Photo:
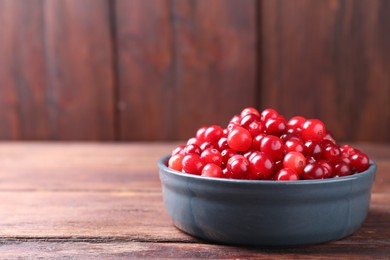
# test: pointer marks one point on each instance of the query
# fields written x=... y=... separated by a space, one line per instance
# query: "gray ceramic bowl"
x=247 y=212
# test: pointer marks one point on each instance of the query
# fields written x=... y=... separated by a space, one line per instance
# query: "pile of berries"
x=265 y=146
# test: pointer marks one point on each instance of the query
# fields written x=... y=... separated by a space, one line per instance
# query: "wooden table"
x=93 y=200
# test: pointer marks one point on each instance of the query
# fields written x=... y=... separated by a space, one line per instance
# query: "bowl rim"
x=162 y=166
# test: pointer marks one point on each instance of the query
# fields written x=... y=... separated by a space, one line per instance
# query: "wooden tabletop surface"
x=103 y=200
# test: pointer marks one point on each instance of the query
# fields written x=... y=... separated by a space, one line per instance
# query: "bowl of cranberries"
x=265 y=180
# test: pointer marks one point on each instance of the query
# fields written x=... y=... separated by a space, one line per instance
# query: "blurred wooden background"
x=138 y=70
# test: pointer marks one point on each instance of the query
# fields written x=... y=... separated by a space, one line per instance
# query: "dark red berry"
x=313 y=129
x=192 y=164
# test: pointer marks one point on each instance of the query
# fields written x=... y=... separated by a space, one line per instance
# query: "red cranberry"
x=192 y=164
x=212 y=170
x=239 y=139
x=211 y=155
x=313 y=129
x=261 y=165
x=273 y=146
x=286 y=175
x=238 y=166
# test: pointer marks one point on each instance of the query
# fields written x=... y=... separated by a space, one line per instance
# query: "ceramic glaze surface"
x=247 y=212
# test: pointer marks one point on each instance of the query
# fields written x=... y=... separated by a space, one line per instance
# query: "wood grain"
x=23 y=71
x=80 y=71
x=184 y=64
x=328 y=59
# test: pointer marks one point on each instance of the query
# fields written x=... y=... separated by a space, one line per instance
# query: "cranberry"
x=206 y=145
x=192 y=164
x=248 y=119
x=286 y=175
x=296 y=122
x=175 y=162
x=295 y=161
x=275 y=126
x=313 y=149
x=200 y=133
x=327 y=168
x=235 y=120
x=213 y=133
x=211 y=155
x=261 y=165
x=192 y=148
x=193 y=140
x=212 y=170
x=250 y=110
x=313 y=129
x=256 y=142
x=239 y=139
x=178 y=150
x=268 y=113
x=222 y=144
x=341 y=169
x=238 y=166
x=293 y=145
x=255 y=128
x=226 y=154
x=360 y=161
x=273 y=146
x=313 y=171
x=331 y=153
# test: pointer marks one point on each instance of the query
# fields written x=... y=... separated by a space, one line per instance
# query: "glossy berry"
x=222 y=144
x=192 y=164
x=213 y=134
x=200 y=133
x=226 y=154
x=238 y=166
x=212 y=170
x=286 y=175
x=313 y=171
x=341 y=169
x=313 y=149
x=192 y=148
x=211 y=155
x=178 y=150
x=293 y=145
x=295 y=161
x=313 y=129
x=261 y=165
x=248 y=119
x=360 y=162
x=275 y=126
x=273 y=146
x=331 y=153
x=193 y=140
x=268 y=113
x=239 y=139
x=295 y=122
x=207 y=145
x=250 y=110
x=256 y=142
x=175 y=162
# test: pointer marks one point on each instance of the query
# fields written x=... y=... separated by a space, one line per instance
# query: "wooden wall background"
x=137 y=70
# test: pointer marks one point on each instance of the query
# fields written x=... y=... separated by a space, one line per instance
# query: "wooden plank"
x=329 y=59
x=110 y=167
x=23 y=83
x=139 y=216
x=81 y=166
x=78 y=46
x=139 y=250
x=183 y=64
x=136 y=224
